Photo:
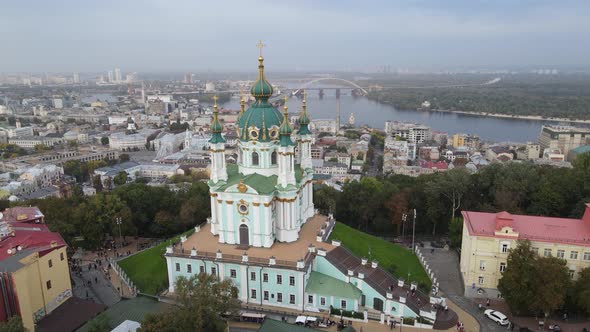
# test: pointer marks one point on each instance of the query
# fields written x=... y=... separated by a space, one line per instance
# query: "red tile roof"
x=534 y=228
x=35 y=237
x=22 y=214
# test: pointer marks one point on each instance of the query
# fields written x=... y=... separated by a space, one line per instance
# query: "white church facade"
x=264 y=234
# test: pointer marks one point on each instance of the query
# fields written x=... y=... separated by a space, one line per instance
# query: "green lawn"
x=148 y=268
x=394 y=258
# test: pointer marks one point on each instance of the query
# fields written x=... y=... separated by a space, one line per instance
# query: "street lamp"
x=404 y=217
x=119 y=222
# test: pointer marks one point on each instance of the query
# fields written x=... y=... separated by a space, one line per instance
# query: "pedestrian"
x=391 y=325
x=96 y=280
x=86 y=293
x=361 y=329
x=488 y=302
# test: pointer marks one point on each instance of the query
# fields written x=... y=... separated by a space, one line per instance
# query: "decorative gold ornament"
x=242 y=187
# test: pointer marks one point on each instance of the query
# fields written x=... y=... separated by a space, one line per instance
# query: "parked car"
x=497 y=317
x=586 y=329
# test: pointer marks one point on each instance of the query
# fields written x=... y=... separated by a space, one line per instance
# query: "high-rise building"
x=414 y=133
x=188 y=78
x=110 y=77
x=76 y=78
x=118 y=77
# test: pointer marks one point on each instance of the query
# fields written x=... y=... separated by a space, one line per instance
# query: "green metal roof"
x=323 y=284
x=304 y=120
x=262 y=184
x=261 y=115
x=261 y=88
x=271 y=325
x=581 y=149
x=133 y=309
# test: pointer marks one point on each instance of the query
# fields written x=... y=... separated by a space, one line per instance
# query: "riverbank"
x=508 y=116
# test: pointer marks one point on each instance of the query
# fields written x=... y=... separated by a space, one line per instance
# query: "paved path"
x=93 y=285
x=445 y=265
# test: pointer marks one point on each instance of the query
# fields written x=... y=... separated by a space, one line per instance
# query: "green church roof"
x=261 y=115
x=216 y=127
x=286 y=130
x=262 y=184
x=304 y=119
x=323 y=284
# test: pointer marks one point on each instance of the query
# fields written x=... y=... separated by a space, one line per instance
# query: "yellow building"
x=488 y=237
x=35 y=276
x=458 y=140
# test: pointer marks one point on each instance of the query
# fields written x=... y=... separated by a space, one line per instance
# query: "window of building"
x=273 y=158
x=255 y=159
x=535 y=250
x=189 y=268
x=50 y=262
x=482 y=265
x=505 y=247
x=310 y=299
x=48 y=284
x=265 y=295
x=291 y=299
x=572 y=273
x=343 y=304
x=213 y=270
x=574 y=255
x=265 y=277
x=253 y=293
x=232 y=273
x=587 y=256
x=502 y=267
x=547 y=252
x=202 y=269
x=177 y=266
x=280 y=297
x=322 y=301
x=480 y=280
x=61 y=256
x=291 y=281
x=253 y=276
x=560 y=253
x=279 y=279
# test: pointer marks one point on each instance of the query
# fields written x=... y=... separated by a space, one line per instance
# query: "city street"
x=445 y=265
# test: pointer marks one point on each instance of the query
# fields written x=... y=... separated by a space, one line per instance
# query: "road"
x=445 y=265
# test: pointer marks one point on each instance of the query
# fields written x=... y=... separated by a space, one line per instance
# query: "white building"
x=414 y=133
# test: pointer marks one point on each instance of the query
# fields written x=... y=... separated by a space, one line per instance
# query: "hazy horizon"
x=182 y=35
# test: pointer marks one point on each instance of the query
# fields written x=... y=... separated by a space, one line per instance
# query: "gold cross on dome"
x=215 y=99
x=260 y=45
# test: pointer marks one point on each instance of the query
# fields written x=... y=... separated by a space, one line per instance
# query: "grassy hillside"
x=148 y=268
x=394 y=258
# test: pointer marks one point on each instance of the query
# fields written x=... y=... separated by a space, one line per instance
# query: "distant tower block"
x=351 y=120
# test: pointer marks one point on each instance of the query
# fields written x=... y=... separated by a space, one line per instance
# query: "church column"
x=214 y=224
x=231 y=229
x=256 y=238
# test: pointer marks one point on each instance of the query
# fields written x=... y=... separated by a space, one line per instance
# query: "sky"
x=302 y=35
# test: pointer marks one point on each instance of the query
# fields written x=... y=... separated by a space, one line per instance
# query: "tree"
x=203 y=298
x=121 y=178
x=581 y=291
x=14 y=324
x=104 y=140
x=456 y=232
x=517 y=282
x=41 y=148
x=550 y=284
x=398 y=205
x=324 y=199
x=451 y=186
x=97 y=183
x=99 y=324
x=123 y=157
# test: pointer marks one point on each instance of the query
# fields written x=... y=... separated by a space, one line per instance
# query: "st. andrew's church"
x=265 y=236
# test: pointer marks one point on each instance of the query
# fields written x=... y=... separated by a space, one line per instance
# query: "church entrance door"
x=244 y=241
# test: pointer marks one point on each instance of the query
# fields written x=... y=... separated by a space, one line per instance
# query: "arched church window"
x=273 y=158
x=255 y=159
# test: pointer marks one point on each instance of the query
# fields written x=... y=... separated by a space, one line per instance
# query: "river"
x=375 y=114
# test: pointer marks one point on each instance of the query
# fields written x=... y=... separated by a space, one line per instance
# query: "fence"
x=123 y=276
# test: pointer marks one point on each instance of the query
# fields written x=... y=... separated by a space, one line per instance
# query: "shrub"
x=346 y=313
x=408 y=321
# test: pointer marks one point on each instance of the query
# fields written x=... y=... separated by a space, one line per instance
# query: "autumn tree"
x=450 y=186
